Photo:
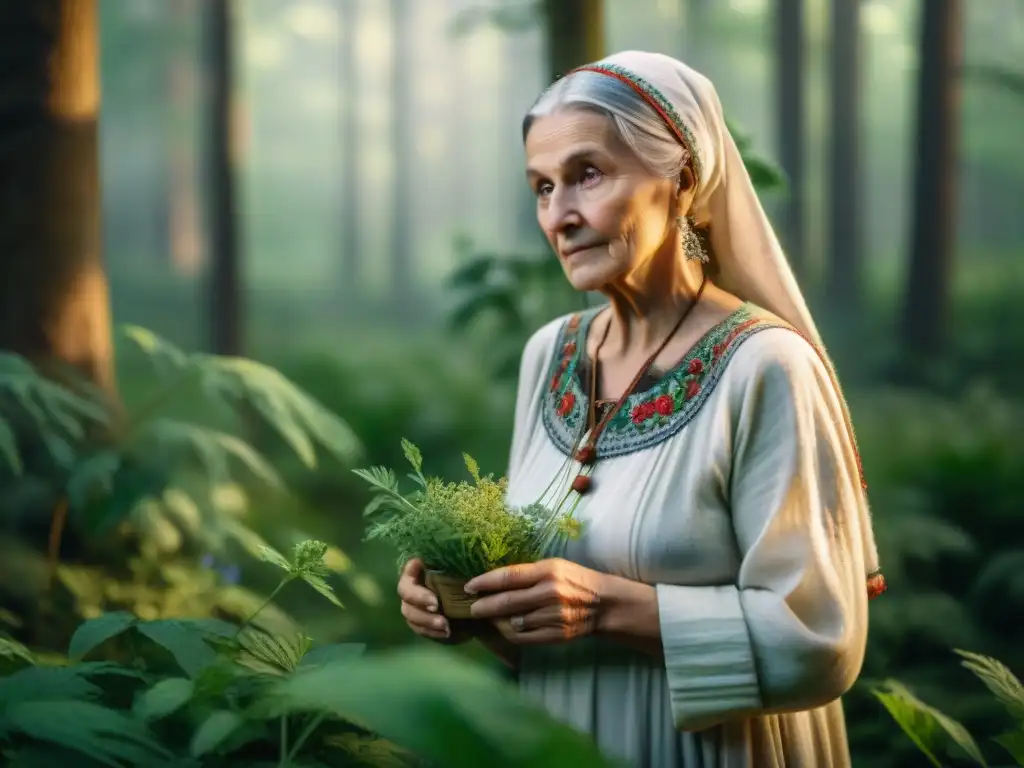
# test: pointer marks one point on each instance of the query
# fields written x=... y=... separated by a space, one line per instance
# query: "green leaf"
x=212 y=449
x=327 y=654
x=273 y=654
x=294 y=415
x=321 y=586
x=95 y=474
x=472 y=466
x=9 y=448
x=185 y=643
x=444 y=709
x=164 y=698
x=13 y=655
x=1013 y=742
x=998 y=678
x=927 y=727
x=413 y=455
x=213 y=731
x=102 y=734
x=163 y=355
x=97 y=631
x=270 y=555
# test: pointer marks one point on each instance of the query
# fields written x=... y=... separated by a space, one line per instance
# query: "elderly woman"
x=715 y=607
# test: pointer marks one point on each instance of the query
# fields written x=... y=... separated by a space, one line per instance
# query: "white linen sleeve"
x=790 y=634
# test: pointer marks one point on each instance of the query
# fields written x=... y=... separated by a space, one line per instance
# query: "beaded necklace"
x=587 y=454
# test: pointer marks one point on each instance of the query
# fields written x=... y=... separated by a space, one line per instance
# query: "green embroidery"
x=646 y=418
x=662 y=101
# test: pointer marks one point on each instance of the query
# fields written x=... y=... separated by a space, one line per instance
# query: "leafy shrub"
x=201 y=692
x=933 y=733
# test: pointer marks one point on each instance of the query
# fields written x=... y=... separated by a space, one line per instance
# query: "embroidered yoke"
x=730 y=485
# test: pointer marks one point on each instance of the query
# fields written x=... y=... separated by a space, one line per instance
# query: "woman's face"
x=604 y=213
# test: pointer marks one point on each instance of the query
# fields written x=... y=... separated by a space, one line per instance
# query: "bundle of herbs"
x=460 y=529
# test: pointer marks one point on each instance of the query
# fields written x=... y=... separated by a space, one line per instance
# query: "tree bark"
x=402 y=138
x=845 y=242
x=790 y=84
x=351 y=262
x=929 y=278
x=575 y=34
x=225 y=298
x=54 y=297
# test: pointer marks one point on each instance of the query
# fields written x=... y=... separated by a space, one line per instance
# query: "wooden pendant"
x=581 y=484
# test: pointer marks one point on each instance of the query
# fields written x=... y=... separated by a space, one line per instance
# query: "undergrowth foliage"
x=186 y=693
x=935 y=733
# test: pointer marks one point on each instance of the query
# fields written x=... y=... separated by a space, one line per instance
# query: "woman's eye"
x=543 y=190
x=590 y=176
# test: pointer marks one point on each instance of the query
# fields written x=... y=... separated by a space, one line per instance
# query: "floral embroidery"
x=661 y=105
x=646 y=418
x=565 y=404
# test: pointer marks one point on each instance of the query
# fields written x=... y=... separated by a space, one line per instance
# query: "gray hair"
x=637 y=124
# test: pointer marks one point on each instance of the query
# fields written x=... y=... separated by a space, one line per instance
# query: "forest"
x=250 y=247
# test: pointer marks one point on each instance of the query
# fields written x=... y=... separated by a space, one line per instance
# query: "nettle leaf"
x=95 y=632
x=185 y=643
x=928 y=728
x=412 y=454
x=270 y=555
x=164 y=698
x=273 y=654
x=998 y=678
x=100 y=733
x=321 y=586
x=214 y=730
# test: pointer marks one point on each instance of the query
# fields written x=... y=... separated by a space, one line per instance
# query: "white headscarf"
x=751 y=263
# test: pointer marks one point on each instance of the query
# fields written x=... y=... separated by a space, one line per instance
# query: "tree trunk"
x=844 y=278
x=184 y=236
x=790 y=84
x=226 y=310
x=402 y=138
x=351 y=262
x=575 y=34
x=54 y=297
x=929 y=278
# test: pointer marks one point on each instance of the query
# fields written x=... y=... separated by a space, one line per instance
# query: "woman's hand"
x=420 y=606
x=550 y=601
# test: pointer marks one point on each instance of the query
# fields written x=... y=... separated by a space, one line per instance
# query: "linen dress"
x=730 y=485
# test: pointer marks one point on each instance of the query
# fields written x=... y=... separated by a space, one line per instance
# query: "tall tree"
x=183 y=230
x=402 y=149
x=54 y=297
x=929 y=279
x=844 y=269
x=790 y=86
x=351 y=262
x=575 y=33
x=225 y=298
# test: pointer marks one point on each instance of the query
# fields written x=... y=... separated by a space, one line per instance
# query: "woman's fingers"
x=516 y=601
x=411 y=589
x=425 y=623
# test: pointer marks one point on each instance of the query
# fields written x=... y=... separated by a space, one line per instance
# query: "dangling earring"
x=693 y=249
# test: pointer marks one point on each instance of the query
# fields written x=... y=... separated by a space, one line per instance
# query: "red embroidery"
x=876 y=585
